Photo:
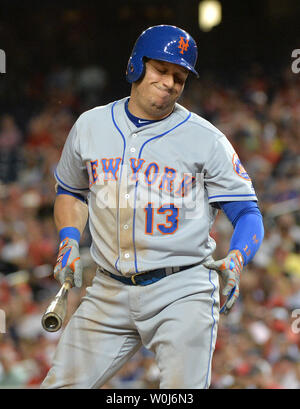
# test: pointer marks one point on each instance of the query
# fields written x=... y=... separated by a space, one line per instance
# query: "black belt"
x=148 y=277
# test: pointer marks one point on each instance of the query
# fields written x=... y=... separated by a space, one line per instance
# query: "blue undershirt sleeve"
x=62 y=191
x=247 y=221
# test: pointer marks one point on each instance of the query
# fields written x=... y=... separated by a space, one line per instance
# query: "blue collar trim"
x=138 y=122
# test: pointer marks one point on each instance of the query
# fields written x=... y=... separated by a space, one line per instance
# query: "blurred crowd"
x=258 y=343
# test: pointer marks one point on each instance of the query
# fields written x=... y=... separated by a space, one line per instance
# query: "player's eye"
x=179 y=80
x=161 y=70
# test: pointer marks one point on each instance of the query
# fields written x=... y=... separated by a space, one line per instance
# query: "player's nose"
x=168 y=81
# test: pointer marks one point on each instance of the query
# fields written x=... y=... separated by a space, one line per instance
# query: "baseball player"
x=151 y=176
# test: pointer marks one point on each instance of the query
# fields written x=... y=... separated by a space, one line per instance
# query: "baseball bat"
x=55 y=314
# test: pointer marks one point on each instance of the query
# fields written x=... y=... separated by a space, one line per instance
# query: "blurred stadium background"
x=65 y=57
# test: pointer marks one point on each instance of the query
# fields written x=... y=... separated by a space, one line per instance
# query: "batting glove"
x=229 y=268
x=68 y=264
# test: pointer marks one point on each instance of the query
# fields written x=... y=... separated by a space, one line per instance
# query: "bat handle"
x=67 y=284
x=54 y=316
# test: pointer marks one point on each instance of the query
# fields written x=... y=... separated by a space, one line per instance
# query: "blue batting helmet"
x=164 y=43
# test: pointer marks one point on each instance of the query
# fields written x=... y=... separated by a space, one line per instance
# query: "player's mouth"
x=164 y=92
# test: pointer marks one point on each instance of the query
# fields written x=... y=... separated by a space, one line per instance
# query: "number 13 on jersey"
x=171 y=224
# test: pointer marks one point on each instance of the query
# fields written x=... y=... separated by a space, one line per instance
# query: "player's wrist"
x=238 y=253
x=70 y=233
x=238 y=257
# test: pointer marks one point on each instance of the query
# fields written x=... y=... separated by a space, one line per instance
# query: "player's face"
x=154 y=96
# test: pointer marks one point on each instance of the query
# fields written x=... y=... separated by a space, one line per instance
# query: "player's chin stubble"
x=162 y=107
x=153 y=105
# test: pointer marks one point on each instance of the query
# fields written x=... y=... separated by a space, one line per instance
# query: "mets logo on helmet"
x=183 y=45
x=239 y=168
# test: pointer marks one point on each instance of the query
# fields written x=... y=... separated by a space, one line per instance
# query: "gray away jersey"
x=149 y=189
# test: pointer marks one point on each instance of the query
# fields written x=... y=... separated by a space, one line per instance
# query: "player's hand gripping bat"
x=68 y=271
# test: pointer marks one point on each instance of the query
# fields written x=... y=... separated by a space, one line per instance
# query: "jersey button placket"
x=126 y=216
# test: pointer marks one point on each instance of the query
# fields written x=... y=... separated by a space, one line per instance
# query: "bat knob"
x=54 y=316
x=51 y=322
